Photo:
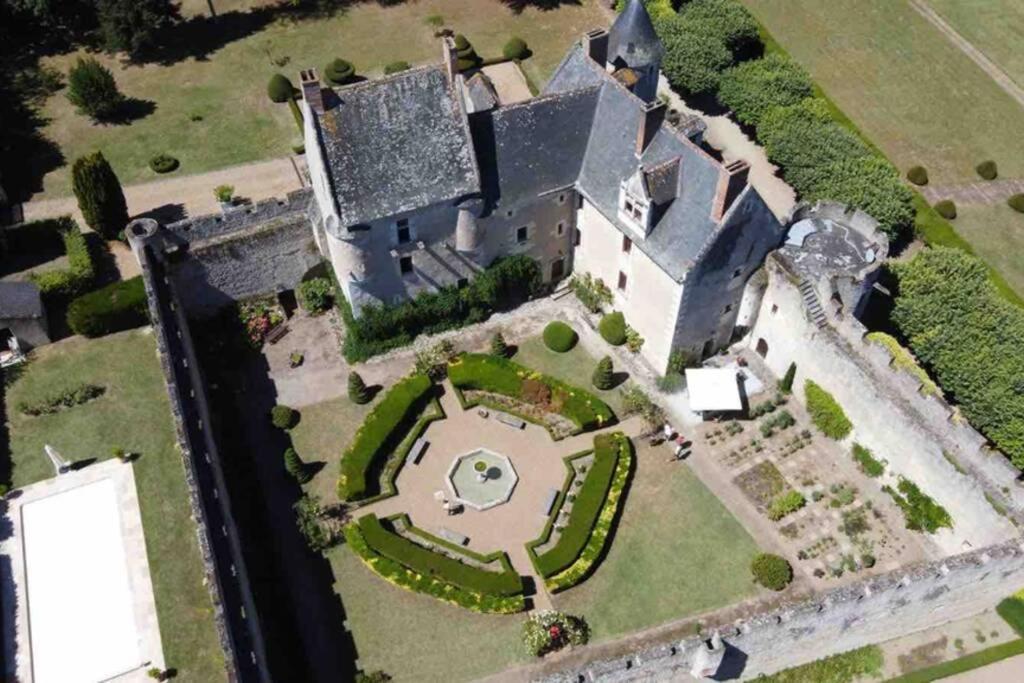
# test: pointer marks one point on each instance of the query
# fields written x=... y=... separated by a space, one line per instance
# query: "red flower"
x=555 y=632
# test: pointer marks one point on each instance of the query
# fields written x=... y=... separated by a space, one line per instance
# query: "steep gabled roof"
x=632 y=38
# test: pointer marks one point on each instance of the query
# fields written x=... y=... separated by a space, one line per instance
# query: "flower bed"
x=501 y=376
x=586 y=509
x=381 y=429
x=259 y=316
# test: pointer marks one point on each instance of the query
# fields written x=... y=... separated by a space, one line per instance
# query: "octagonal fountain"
x=482 y=479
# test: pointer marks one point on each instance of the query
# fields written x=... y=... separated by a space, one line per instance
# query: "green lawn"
x=226 y=84
x=902 y=83
x=997 y=234
x=678 y=551
x=322 y=435
x=995 y=27
x=134 y=413
x=415 y=637
x=574 y=367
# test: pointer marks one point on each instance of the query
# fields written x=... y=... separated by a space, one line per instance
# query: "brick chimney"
x=595 y=43
x=739 y=172
x=311 y=91
x=450 y=58
x=650 y=122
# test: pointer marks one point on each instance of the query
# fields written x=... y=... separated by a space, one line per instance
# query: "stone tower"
x=635 y=51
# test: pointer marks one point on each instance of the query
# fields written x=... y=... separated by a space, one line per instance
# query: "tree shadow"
x=618 y=379
x=132 y=109
x=166 y=213
x=314 y=468
x=517 y=6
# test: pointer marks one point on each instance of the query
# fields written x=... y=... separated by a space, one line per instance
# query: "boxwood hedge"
x=501 y=376
x=826 y=413
x=559 y=337
x=118 y=306
x=381 y=429
x=78 y=277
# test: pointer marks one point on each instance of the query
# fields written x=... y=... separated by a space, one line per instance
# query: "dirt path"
x=977 y=56
x=190 y=195
x=981 y=192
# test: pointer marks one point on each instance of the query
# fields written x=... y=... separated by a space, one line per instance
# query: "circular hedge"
x=771 y=571
x=559 y=337
x=515 y=48
x=339 y=72
x=613 y=328
x=918 y=175
x=946 y=208
x=1016 y=202
x=283 y=417
x=279 y=89
x=163 y=163
x=987 y=170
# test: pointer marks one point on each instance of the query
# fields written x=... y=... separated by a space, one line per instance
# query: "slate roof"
x=480 y=92
x=20 y=301
x=632 y=37
x=396 y=144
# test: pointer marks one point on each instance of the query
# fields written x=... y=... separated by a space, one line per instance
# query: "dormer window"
x=633 y=210
x=402 y=231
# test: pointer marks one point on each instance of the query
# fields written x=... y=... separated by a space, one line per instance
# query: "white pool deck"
x=85 y=605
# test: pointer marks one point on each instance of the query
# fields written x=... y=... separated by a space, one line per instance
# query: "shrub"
x=1011 y=610
x=280 y=89
x=283 y=417
x=727 y=21
x=67 y=398
x=316 y=295
x=592 y=293
x=918 y=175
x=163 y=163
x=81 y=271
x=946 y=208
x=784 y=504
x=498 y=346
x=99 y=195
x=603 y=378
x=693 y=61
x=920 y=511
x=1016 y=202
x=636 y=402
x=396 y=67
x=224 y=193
x=613 y=328
x=314 y=523
x=546 y=631
x=559 y=337
x=358 y=393
x=987 y=170
x=295 y=467
x=860 y=664
x=466 y=57
x=118 y=306
x=771 y=571
x=515 y=48
x=786 y=383
x=752 y=88
x=826 y=413
x=381 y=430
x=634 y=342
x=93 y=91
x=867 y=462
x=339 y=72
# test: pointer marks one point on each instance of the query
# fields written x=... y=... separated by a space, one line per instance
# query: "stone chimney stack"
x=450 y=58
x=311 y=90
x=650 y=122
x=596 y=45
x=739 y=173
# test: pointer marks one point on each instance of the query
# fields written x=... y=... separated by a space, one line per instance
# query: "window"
x=561 y=198
x=560 y=228
x=622 y=281
x=579 y=237
x=728 y=308
x=405 y=264
x=521 y=234
x=509 y=213
x=775 y=309
x=737 y=272
x=403 y=234
x=627 y=245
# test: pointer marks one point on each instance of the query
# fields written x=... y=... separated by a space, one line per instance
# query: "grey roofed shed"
x=20 y=301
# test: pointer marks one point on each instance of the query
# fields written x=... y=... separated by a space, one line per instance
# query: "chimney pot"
x=451 y=58
x=311 y=90
x=596 y=44
x=650 y=122
x=739 y=172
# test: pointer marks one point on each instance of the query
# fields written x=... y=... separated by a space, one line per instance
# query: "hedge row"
x=586 y=507
x=78 y=277
x=35 y=238
x=595 y=547
x=431 y=412
x=381 y=429
x=421 y=560
x=401 y=576
x=826 y=413
x=501 y=376
x=118 y=306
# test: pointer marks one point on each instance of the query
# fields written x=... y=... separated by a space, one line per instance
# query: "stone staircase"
x=811 y=302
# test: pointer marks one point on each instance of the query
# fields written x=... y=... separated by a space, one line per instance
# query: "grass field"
x=997 y=233
x=575 y=367
x=220 y=70
x=322 y=435
x=902 y=83
x=995 y=27
x=134 y=413
x=678 y=551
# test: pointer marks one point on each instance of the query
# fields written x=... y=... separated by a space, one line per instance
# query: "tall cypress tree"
x=99 y=195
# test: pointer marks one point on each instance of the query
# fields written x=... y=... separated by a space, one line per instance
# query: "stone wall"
x=870 y=611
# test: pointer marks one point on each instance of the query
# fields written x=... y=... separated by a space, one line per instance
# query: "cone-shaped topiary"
x=1016 y=202
x=602 y=377
x=279 y=89
x=339 y=72
x=918 y=175
x=515 y=48
x=465 y=54
x=283 y=417
x=93 y=90
x=295 y=467
x=987 y=170
x=357 y=391
x=498 y=346
x=946 y=208
x=786 y=383
x=99 y=195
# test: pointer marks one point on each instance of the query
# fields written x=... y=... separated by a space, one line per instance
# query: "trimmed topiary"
x=515 y=48
x=613 y=328
x=1016 y=202
x=283 y=417
x=918 y=175
x=295 y=467
x=826 y=413
x=465 y=54
x=786 y=383
x=279 y=89
x=93 y=91
x=559 y=337
x=163 y=163
x=771 y=571
x=498 y=346
x=396 y=67
x=603 y=376
x=987 y=170
x=946 y=208
x=357 y=391
x=339 y=72
x=99 y=195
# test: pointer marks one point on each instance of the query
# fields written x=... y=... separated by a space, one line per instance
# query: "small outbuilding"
x=713 y=391
x=22 y=319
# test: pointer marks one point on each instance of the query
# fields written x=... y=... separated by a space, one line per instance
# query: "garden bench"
x=416 y=452
x=276 y=334
x=549 y=502
x=452 y=536
x=510 y=420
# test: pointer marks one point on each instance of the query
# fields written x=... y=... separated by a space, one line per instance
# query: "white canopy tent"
x=713 y=390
